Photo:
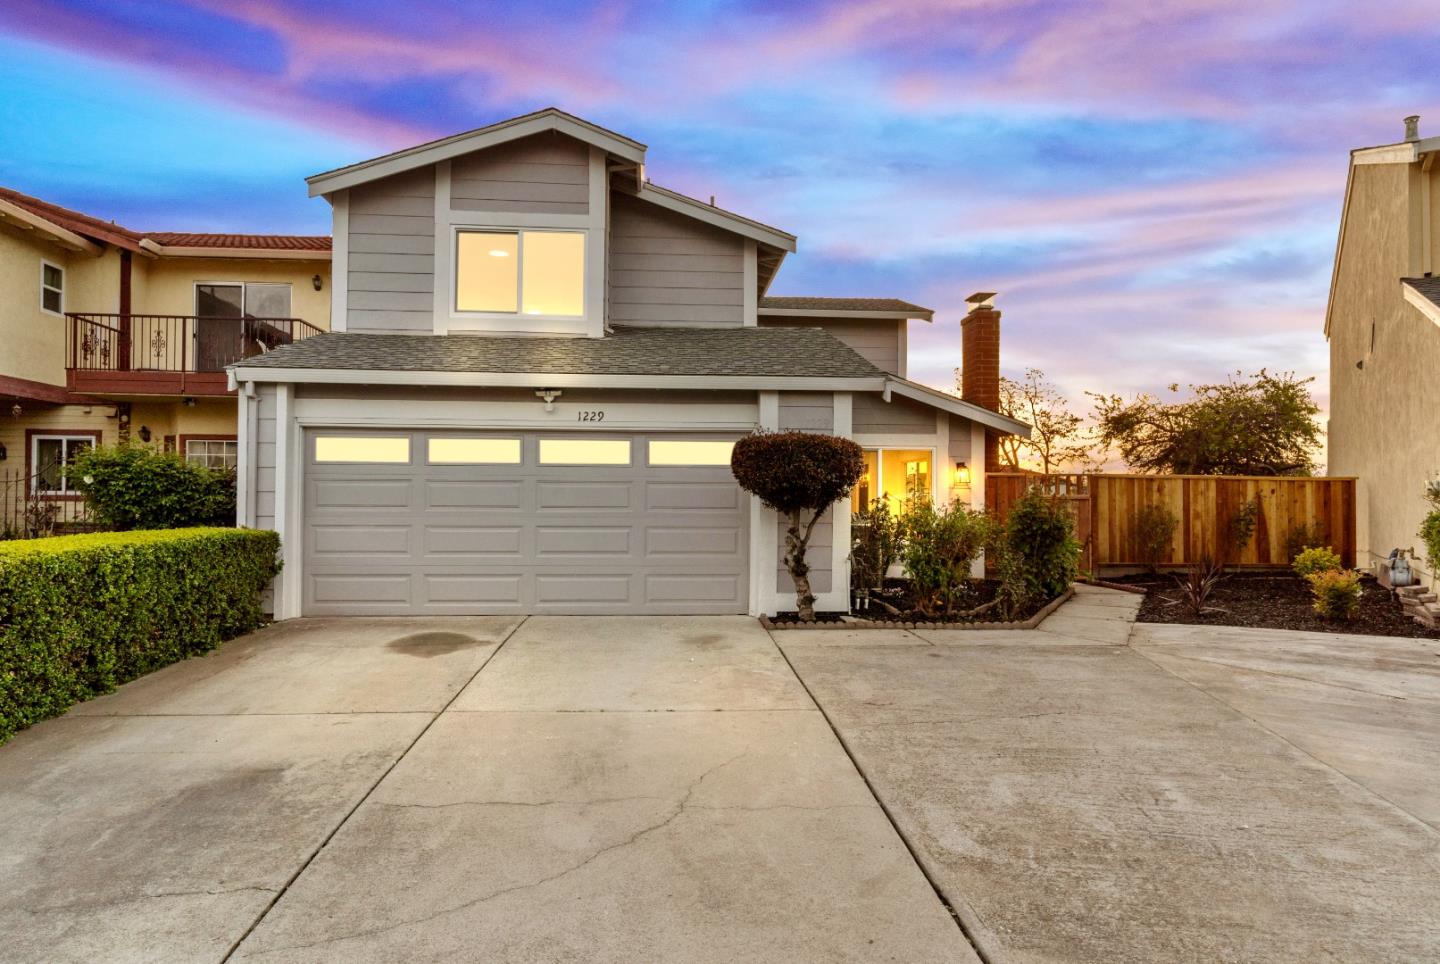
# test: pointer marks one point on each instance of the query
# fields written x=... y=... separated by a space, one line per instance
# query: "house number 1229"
x=596 y=416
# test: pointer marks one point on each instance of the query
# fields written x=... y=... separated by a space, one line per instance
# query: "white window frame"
x=45 y=287
x=519 y=231
x=64 y=439
x=200 y=438
x=880 y=451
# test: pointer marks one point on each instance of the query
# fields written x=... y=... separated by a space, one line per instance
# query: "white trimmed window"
x=213 y=453
x=52 y=288
x=520 y=272
x=49 y=454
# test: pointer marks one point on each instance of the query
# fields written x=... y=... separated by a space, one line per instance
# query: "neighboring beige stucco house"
x=1383 y=324
x=108 y=333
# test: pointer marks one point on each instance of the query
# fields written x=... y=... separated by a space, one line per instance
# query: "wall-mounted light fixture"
x=316 y=282
x=3 y=453
x=16 y=409
x=962 y=473
x=144 y=433
x=548 y=396
x=188 y=402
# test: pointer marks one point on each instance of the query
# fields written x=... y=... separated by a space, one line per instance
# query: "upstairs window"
x=525 y=272
x=52 y=288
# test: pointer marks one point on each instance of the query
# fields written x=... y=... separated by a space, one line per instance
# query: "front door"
x=218 y=310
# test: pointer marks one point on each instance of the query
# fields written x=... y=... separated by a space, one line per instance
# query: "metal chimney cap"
x=981 y=299
x=1412 y=127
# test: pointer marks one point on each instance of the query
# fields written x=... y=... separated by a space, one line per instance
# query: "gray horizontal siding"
x=810 y=412
x=547 y=173
x=670 y=270
x=817 y=554
x=392 y=254
x=878 y=342
x=266 y=411
x=959 y=438
x=807 y=411
x=872 y=415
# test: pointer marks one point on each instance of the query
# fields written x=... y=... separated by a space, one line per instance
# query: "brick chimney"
x=980 y=364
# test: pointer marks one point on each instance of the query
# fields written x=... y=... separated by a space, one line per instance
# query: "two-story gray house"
x=539 y=364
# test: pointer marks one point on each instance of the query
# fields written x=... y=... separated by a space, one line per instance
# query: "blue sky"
x=1152 y=187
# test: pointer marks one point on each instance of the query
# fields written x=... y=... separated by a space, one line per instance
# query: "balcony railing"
x=167 y=354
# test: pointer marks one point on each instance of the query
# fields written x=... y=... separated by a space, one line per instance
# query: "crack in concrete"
x=515 y=803
x=680 y=807
x=138 y=898
x=1241 y=668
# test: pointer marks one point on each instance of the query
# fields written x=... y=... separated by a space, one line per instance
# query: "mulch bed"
x=1276 y=601
x=897 y=594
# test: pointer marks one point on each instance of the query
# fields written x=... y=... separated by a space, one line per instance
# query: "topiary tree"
x=800 y=475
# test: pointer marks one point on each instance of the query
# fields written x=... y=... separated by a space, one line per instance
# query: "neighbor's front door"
x=218 y=310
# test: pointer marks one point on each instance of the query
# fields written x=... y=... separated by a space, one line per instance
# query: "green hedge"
x=81 y=614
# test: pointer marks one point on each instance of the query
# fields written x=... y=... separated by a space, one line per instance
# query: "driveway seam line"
x=1426 y=825
x=305 y=865
x=966 y=921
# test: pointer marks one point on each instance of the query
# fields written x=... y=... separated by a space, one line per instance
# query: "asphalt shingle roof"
x=1429 y=287
x=808 y=303
x=774 y=352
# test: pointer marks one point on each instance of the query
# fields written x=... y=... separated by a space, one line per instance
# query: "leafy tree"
x=800 y=475
x=1057 y=439
x=1261 y=425
x=135 y=487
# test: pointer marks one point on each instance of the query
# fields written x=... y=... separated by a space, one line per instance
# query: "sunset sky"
x=1153 y=187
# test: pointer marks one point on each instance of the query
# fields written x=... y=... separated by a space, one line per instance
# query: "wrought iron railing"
x=172 y=343
x=35 y=504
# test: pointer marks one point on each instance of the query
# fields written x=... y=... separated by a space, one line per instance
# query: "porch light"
x=3 y=453
x=962 y=473
x=316 y=282
x=144 y=433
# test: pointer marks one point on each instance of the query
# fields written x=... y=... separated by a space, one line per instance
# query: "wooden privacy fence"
x=1106 y=509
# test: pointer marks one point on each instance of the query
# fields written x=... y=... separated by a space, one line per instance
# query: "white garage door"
x=455 y=522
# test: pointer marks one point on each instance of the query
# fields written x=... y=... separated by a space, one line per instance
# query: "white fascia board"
x=1427 y=307
x=718 y=217
x=956 y=406
x=54 y=232
x=844 y=313
x=351 y=376
x=476 y=140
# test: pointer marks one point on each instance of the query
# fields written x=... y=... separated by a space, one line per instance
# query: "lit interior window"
x=474 y=451
x=358 y=448
x=552 y=273
x=586 y=451
x=678 y=452
x=487 y=273
x=901 y=477
x=534 y=272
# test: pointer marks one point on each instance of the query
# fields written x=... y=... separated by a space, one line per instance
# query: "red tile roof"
x=271 y=242
x=107 y=231
x=123 y=237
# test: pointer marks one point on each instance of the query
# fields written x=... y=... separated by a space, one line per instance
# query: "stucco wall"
x=1382 y=419
x=167 y=286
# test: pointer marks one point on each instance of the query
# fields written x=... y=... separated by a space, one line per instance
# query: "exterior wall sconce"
x=16 y=409
x=3 y=453
x=962 y=473
x=316 y=282
x=144 y=433
x=548 y=396
x=188 y=403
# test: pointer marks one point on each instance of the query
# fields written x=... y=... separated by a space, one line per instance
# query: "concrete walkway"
x=1098 y=791
x=479 y=789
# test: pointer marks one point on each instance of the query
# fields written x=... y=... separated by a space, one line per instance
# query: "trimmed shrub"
x=1039 y=555
x=135 y=487
x=1337 y=593
x=876 y=538
x=799 y=475
x=941 y=545
x=1155 y=528
x=1315 y=560
x=82 y=614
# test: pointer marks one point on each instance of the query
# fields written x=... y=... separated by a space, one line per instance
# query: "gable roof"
x=779 y=352
x=805 y=305
x=445 y=148
x=1428 y=286
x=717 y=216
x=257 y=242
x=73 y=221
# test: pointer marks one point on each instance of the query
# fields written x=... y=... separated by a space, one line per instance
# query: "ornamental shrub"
x=1155 y=528
x=1337 y=593
x=137 y=487
x=1430 y=525
x=1039 y=555
x=876 y=538
x=1315 y=559
x=81 y=614
x=799 y=475
x=941 y=546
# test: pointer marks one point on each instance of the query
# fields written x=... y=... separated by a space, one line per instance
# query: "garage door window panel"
x=473 y=451
x=584 y=451
x=683 y=452
x=363 y=449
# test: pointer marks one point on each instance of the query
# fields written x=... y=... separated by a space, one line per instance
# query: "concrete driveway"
x=667 y=789
x=1099 y=791
x=448 y=789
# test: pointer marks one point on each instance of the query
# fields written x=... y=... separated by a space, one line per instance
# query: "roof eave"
x=446 y=148
x=265 y=254
x=482 y=379
x=923 y=314
x=30 y=221
x=955 y=406
x=718 y=217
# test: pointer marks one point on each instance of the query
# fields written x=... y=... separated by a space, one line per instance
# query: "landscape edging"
x=856 y=622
